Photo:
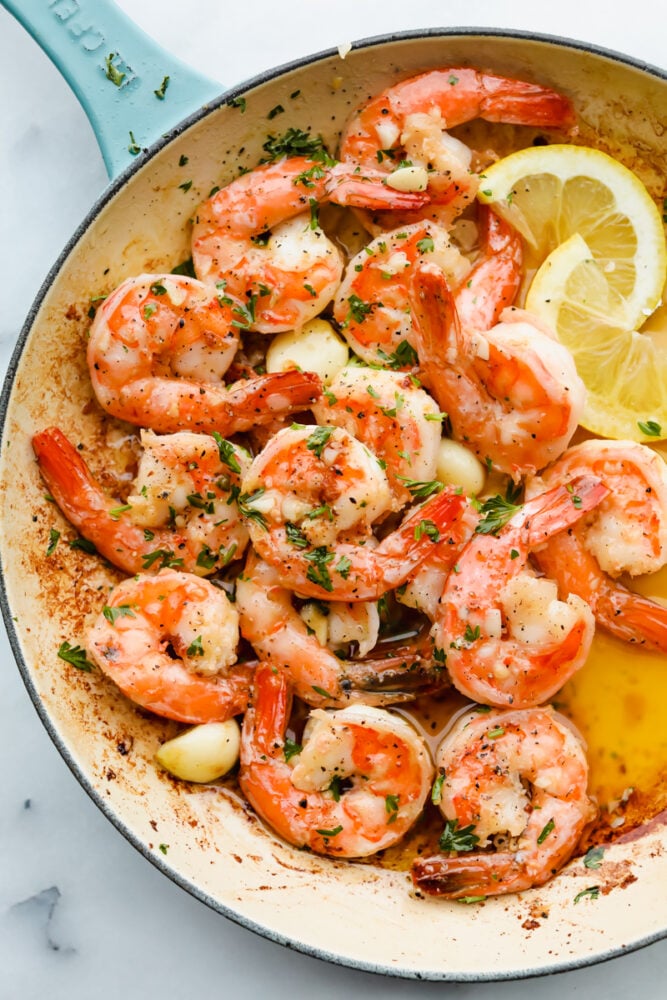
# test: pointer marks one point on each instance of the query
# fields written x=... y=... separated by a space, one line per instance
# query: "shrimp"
x=313 y=495
x=398 y=421
x=410 y=121
x=355 y=786
x=158 y=349
x=519 y=779
x=372 y=304
x=512 y=392
x=169 y=643
x=321 y=673
x=183 y=511
x=259 y=237
x=626 y=534
x=508 y=641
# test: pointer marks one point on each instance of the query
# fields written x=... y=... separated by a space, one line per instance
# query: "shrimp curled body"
x=258 y=237
x=322 y=675
x=147 y=616
x=158 y=349
x=626 y=534
x=517 y=775
x=313 y=497
x=507 y=639
x=182 y=512
x=356 y=785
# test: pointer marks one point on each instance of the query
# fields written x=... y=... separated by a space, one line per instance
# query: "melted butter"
x=617 y=702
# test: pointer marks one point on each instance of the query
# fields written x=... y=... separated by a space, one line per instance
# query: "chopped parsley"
x=436 y=791
x=291 y=749
x=493 y=734
x=426 y=245
x=319 y=439
x=185 y=186
x=227 y=453
x=185 y=267
x=238 y=102
x=496 y=511
x=649 y=427
x=330 y=833
x=113 y=612
x=195 y=648
x=75 y=655
x=454 y=839
x=275 y=111
x=245 y=502
x=111 y=71
x=54 y=537
x=295 y=536
x=162 y=89
x=318 y=572
x=296 y=142
x=421 y=490
x=593 y=857
x=167 y=559
x=391 y=805
x=593 y=891
x=133 y=146
x=343 y=567
x=428 y=528
x=546 y=830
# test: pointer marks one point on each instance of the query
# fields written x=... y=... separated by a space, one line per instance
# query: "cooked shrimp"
x=313 y=495
x=183 y=511
x=372 y=305
x=507 y=638
x=158 y=349
x=626 y=534
x=516 y=778
x=355 y=786
x=512 y=392
x=398 y=421
x=169 y=643
x=260 y=240
x=321 y=673
x=409 y=122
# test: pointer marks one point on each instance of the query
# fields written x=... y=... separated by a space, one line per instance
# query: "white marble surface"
x=81 y=913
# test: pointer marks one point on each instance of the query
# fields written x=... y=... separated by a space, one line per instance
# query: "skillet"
x=140 y=222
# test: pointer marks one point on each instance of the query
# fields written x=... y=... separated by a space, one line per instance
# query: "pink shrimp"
x=519 y=779
x=183 y=513
x=322 y=674
x=313 y=495
x=506 y=637
x=409 y=121
x=158 y=348
x=355 y=786
x=512 y=392
x=259 y=238
x=626 y=534
x=147 y=616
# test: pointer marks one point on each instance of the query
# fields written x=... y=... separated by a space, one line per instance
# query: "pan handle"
x=132 y=90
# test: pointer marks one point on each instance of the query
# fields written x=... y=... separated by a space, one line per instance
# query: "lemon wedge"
x=549 y=193
x=595 y=239
x=624 y=371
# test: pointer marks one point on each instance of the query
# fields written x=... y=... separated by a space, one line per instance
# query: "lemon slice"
x=549 y=193
x=625 y=372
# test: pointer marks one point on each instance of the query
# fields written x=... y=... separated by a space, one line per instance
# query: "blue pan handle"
x=132 y=90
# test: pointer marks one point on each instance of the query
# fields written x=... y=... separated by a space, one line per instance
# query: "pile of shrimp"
x=280 y=520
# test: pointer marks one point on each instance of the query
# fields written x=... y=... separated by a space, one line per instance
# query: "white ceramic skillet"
x=357 y=915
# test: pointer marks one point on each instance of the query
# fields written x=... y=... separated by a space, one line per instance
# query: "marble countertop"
x=81 y=913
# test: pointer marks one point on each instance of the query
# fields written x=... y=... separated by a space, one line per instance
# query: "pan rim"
x=115 y=185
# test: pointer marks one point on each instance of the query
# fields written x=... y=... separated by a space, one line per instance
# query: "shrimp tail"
x=517 y=102
x=354 y=191
x=494 y=281
x=436 y=326
x=474 y=875
x=406 y=548
x=411 y=670
x=558 y=509
x=629 y=616
x=84 y=503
